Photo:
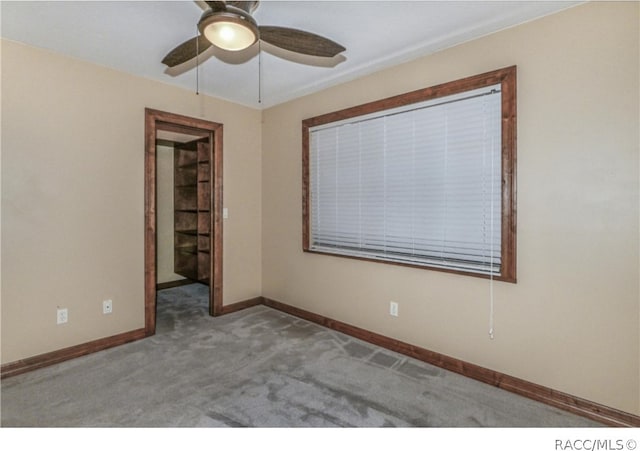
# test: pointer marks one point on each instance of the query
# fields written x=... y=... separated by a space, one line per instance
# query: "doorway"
x=159 y=125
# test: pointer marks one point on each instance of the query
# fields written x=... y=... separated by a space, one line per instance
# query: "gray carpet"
x=259 y=368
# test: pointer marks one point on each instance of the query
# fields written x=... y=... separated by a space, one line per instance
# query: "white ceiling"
x=133 y=37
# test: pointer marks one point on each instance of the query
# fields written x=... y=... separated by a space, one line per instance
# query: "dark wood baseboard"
x=242 y=305
x=51 y=358
x=174 y=283
x=597 y=412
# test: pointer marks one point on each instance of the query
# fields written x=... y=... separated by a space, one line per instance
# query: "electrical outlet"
x=393 y=308
x=62 y=315
x=107 y=306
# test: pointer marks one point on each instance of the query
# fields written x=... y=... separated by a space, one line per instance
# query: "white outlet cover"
x=62 y=315
x=107 y=306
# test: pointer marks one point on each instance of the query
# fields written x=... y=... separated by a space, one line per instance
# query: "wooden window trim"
x=506 y=77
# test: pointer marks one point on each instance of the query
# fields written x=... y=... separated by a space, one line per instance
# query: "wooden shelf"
x=188 y=249
x=193 y=232
x=192 y=210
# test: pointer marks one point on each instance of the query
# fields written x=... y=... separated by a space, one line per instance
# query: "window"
x=424 y=179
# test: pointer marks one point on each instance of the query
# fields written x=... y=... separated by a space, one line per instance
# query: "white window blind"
x=419 y=184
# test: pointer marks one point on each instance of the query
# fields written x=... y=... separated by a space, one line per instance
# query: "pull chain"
x=197 y=62
x=259 y=72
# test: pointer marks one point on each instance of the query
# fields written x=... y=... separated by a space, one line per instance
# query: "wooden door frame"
x=160 y=120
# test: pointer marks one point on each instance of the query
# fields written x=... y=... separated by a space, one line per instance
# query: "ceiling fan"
x=229 y=26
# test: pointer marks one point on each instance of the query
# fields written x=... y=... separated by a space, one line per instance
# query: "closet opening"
x=183 y=209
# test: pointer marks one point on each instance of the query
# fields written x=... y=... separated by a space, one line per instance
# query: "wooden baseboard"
x=597 y=412
x=51 y=358
x=174 y=283
x=242 y=305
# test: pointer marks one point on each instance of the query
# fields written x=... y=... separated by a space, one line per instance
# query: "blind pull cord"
x=491 y=267
x=491 y=246
x=491 y=308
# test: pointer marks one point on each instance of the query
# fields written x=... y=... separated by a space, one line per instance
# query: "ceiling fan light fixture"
x=228 y=25
x=229 y=30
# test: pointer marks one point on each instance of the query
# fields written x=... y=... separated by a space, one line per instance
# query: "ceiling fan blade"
x=300 y=41
x=217 y=6
x=186 y=51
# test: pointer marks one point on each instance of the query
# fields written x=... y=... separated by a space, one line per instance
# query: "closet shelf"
x=188 y=249
x=192 y=214
x=193 y=232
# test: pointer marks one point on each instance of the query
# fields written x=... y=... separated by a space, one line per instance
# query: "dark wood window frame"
x=506 y=77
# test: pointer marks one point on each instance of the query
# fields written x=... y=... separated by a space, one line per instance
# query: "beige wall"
x=164 y=215
x=572 y=320
x=73 y=197
x=72 y=207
